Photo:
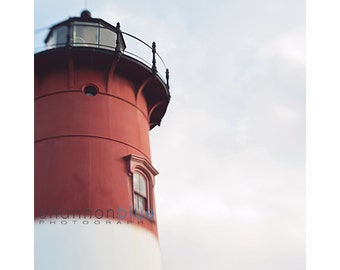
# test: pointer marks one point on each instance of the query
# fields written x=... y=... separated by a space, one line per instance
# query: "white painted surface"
x=73 y=244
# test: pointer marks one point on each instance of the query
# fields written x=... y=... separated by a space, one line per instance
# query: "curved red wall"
x=81 y=141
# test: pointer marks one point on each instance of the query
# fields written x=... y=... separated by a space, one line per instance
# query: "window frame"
x=147 y=197
x=140 y=165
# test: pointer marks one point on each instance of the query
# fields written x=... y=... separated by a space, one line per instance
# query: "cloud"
x=289 y=47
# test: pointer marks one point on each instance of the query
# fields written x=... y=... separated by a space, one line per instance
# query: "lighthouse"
x=95 y=103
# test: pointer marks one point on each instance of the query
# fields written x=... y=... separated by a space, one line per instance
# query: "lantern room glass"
x=82 y=34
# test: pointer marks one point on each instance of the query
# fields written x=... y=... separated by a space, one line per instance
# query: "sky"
x=231 y=147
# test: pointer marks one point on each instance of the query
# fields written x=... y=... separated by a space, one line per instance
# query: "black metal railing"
x=156 y=58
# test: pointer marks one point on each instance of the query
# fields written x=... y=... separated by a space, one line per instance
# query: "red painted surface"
x=81 y=141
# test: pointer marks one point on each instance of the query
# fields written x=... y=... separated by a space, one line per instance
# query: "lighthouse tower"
x=95 y=104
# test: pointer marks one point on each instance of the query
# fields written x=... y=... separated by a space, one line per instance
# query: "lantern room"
x=85 y=31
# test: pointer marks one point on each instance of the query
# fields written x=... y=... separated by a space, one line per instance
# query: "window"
x=140 y=198
x=58 y=38
x=90 y=90
x=107 y=38
x=142 y=176
x=85 y=34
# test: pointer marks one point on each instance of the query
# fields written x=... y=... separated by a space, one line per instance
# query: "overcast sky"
x=231 y=147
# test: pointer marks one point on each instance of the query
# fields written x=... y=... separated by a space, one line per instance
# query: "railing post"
x=167 y=78
x=118 y=46
x=154 y=68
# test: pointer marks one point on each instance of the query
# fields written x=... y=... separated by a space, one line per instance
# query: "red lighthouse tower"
x=94 y=180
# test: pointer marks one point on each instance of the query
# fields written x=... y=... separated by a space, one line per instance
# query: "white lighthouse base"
x=94 y=244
